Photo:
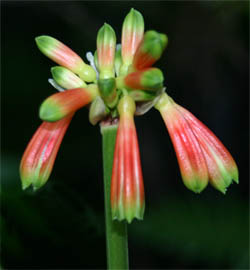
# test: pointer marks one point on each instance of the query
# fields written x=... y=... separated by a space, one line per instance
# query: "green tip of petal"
x=195 y=185
x=25 y=184
x=106 y=35
x=134 y=19
x=235 y=176
x=44 y=43
x=154 y=43
x=50 y=112
x=153 y=79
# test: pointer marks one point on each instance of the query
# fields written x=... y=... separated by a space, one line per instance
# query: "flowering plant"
x=118 y=84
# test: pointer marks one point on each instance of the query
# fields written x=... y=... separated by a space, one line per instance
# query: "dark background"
x=206 y=70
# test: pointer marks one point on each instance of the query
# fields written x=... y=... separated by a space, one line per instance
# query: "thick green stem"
x=116 y=232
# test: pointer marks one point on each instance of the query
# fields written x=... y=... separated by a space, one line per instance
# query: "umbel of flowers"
x=119 y=83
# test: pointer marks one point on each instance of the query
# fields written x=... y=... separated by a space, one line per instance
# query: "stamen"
x=56 y=86
x=90 y=58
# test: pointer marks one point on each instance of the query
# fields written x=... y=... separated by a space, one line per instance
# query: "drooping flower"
x=39 y=157
x=127 y=190
x=222 y=168
x=201 y=156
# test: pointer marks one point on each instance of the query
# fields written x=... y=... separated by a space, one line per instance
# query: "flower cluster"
x=120 y=83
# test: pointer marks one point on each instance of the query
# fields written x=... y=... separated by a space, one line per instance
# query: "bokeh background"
x=206 y=67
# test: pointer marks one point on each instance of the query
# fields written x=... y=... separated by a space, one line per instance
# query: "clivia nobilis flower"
x=119 y=83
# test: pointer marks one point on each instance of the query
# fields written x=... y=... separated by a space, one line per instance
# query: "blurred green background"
x=206 y=67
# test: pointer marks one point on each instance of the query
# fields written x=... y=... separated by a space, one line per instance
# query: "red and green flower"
x=121 y=83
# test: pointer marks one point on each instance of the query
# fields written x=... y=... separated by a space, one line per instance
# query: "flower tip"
x=197 y=185
x=132 y=34
x=236 y=175
x=49 y=112
x=45 y=43
x=38 y=184
x=25 y=183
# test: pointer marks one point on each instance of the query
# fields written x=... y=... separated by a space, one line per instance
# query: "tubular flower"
x=121 y=82
x=39 y=157
x=106 y=42
x=149 y=50
x=222 y=168
x=132 y=35
x=64 y=56
x=200 y=154
x=146 y=79
x=61 y=104
x=127 y=191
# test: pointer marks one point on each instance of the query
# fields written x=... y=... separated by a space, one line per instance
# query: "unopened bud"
x=106 y=43
x=147 y=79
x=64 y=56
x=132 y=34
x=66 y=78
x=150 y=49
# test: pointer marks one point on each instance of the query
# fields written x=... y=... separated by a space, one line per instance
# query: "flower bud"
x=127 y=190
x=64 y=56
x=149 y=50
x=61 y=104
x=146 y=79
x=66 y=78
x=190 y=156
x=39 y=157
x=132 y=34
x=108 y=91
x=106 y=44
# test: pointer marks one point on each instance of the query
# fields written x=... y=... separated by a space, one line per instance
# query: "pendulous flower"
x=201 y=156
x=39 y=157
x=127 y=190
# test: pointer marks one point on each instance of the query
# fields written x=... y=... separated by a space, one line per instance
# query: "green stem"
x=116 y=232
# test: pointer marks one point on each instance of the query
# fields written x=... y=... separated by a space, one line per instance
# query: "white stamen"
x=55 y=85
x=90 y=57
